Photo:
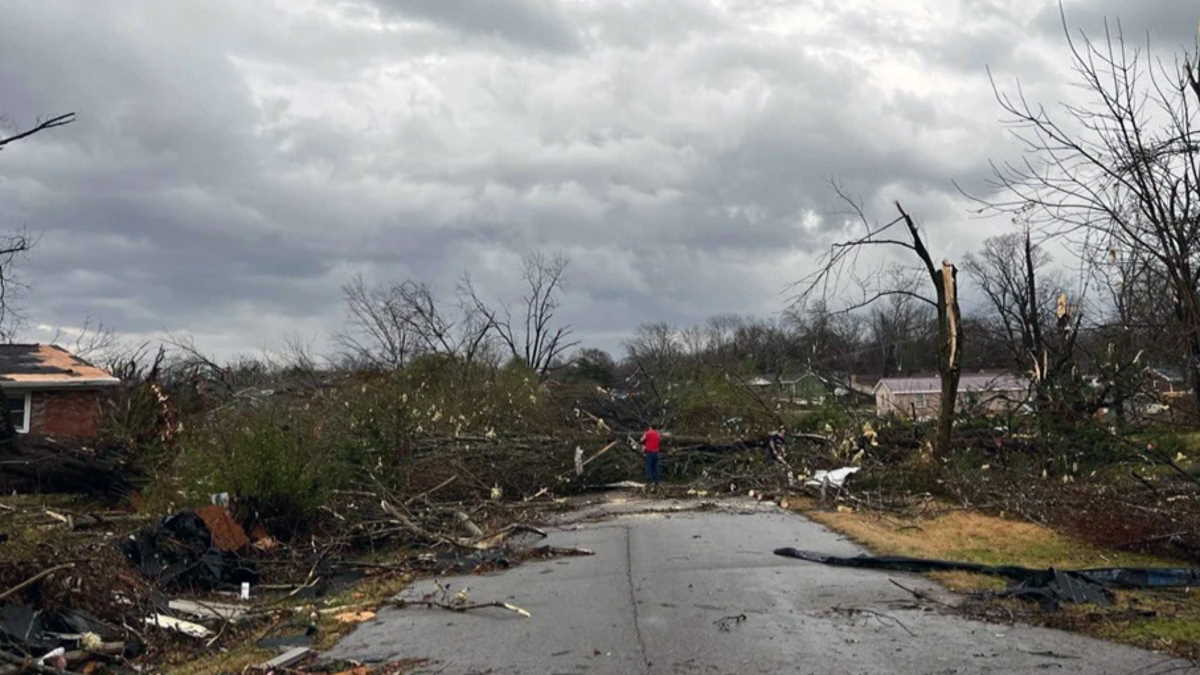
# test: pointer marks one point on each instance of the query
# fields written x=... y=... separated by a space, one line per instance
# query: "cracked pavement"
x=665 y=593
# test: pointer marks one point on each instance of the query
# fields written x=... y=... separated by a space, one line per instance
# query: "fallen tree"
x=41 y=464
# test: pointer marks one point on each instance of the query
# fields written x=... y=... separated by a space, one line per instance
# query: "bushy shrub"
x=278 y=462
x=824 y=418
x=711 y=403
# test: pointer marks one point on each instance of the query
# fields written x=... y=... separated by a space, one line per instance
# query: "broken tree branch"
x=35 y=578
x=434 y=604
x=58 y=121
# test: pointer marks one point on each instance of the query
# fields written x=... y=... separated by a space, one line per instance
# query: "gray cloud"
x=235 y=163
x=1168 y=24
x=540 y=24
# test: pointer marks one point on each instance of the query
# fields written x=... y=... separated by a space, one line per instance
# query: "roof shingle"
x=25 y=366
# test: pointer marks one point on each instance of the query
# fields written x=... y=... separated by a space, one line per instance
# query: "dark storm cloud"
x=540 y=24
x=1169 y=24
x=235 y=163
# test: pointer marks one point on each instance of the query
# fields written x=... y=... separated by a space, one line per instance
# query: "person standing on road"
x=650 y=444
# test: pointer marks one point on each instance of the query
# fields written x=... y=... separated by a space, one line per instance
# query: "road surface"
x=701 y=592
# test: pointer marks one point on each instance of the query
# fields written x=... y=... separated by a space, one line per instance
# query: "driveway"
x=674 y=591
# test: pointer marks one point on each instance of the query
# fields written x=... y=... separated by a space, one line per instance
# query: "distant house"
x=50 y=392
x=805 y=389
x=864 y=385
x=1166 y=381
x=922 y=396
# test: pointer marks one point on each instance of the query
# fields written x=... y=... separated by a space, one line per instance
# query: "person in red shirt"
x=650 y=443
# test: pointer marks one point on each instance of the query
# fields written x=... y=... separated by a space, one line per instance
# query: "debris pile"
x=196 y=580
x=39 y=464
x=181 y=552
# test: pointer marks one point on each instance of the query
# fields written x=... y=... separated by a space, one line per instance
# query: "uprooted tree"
x=840 y=260
x=1119 y=174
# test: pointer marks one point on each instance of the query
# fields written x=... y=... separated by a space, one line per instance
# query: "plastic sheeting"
x=1049 y=586
x=25 y=630
x=836 y=478
x=179 y=553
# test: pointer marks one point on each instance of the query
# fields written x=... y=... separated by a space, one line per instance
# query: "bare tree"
x=657 y=346
x=902 y=330
x=828 y=342
x=1119 y=173
x=1029 y=312
x=378 y=334
x=12 y=248
x=656 y=354
x=93 y=341
x=15 y=245
x=1140 y=328
x=841 y=260
x=532 y=337
x=391 y=324
x=721 y=330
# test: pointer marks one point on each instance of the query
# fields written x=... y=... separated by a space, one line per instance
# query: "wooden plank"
x=186 y=627
x=286 y=659
x=208 y=610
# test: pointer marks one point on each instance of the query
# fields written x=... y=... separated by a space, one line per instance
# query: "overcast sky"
x=234 y=163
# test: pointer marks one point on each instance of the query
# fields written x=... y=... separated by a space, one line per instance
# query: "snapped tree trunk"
x=949 y=320
x=945 y=282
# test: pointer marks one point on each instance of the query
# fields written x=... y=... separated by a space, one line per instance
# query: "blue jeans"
x=652 y=472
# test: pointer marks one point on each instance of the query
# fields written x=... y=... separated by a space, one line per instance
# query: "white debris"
x=835 y=478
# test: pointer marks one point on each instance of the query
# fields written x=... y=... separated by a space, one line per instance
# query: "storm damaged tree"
x=1028 y=312
x=1118 y=175
x=841 y=260
x=532 y=336
x=1141 y=329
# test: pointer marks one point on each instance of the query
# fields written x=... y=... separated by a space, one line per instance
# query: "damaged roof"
x=966 y=383
x=37 y=366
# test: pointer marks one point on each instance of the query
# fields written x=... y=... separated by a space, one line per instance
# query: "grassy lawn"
x=1166 y=619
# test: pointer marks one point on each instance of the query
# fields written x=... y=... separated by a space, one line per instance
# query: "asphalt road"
x=701 y=592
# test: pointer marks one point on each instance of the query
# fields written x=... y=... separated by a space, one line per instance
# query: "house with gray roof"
x=921 y=397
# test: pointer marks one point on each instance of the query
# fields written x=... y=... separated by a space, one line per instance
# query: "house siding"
x=902 y=404
x=65 y=414
x=927 y=404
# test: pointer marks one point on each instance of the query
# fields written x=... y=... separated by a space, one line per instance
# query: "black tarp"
x=25 y=630
x=1049 y=586
x=178 y=553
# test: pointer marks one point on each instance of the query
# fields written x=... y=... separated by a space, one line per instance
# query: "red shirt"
x=650 y=440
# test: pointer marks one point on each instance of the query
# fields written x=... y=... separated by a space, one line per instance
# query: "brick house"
x=50 y=392
x=921 y=397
